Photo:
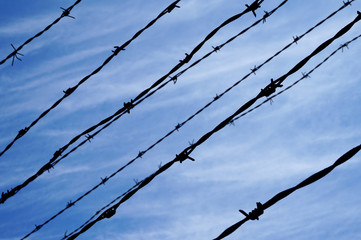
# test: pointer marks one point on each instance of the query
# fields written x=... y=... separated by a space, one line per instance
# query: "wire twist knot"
x=15 y=54
x=270 y=88
x=117 y=50
x=186 y=59
x=265 y=16
x=183 y=156
x=69 y=91
x=66 y=13
x=255 y=213
x=22 y=132
x=172 y=7
x=109 y=213
x=253 y=7
x=128 y=106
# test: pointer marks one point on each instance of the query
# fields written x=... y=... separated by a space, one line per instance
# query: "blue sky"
x=305 y=129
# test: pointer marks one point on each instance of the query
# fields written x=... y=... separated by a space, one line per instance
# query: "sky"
x=267 y=151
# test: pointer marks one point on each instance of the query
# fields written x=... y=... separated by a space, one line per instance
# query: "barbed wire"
x=304 y=76
x=126 y=109
x=184 y=155
x=140 y=154
x=71 y=90
x=15 y=53
x=254 y=214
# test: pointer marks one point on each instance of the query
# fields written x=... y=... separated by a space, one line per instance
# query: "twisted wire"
x=184 y=155
x=126 y=109
x=304 y=76
x=65 y=13
x=281 y=195
x=103 y=180
x=140 y=154
x=71 y=90
x=271 y=88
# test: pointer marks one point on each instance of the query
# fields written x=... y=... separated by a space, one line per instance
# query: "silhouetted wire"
x=70 y=204
x=304 y=76
x=254 y=215
x=140 y=154
x=127 y=106
x=184 y=155
x=70 y=90
x=14 y=54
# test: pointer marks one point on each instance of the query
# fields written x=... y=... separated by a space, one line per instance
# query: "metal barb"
x=183 y=156
x=232 y=122
x=70 y=204
x=172 y=7
x=88 y=137
x=48 y=166
x=128 y=106
x=174 y=79
x=295 y=39
x=346 y=3
x=104 y=180
x=216 y=97
x=186 y=59
x=178 y=126
x=57 y=153
x=66 y=13
x=270 y=101
x=255 y=213
x=345 y=45
x=306 y=75
x=38 y=227
x=140 y=154
x=265 y=16
x=216 y=49
x=68 y=91
x=22 y=132
x=253 y=7
x=254 y=69
x=270 y=88
x=15 y=54
x=117 y=50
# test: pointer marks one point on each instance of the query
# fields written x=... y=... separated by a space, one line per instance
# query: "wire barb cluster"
x=185 y=153
x=71 y=90
x=137 y=100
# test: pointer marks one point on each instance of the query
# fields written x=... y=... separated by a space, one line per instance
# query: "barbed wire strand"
x=304 y=76
x=254 y=215
x=184 y=155
x=140 y=155
x=15 y=52
x=126 y=109
x=71 y=90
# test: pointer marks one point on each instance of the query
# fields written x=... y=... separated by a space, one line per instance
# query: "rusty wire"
x=184 y=155
x=125 y=109
x=254 y=214
x=71 y=90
